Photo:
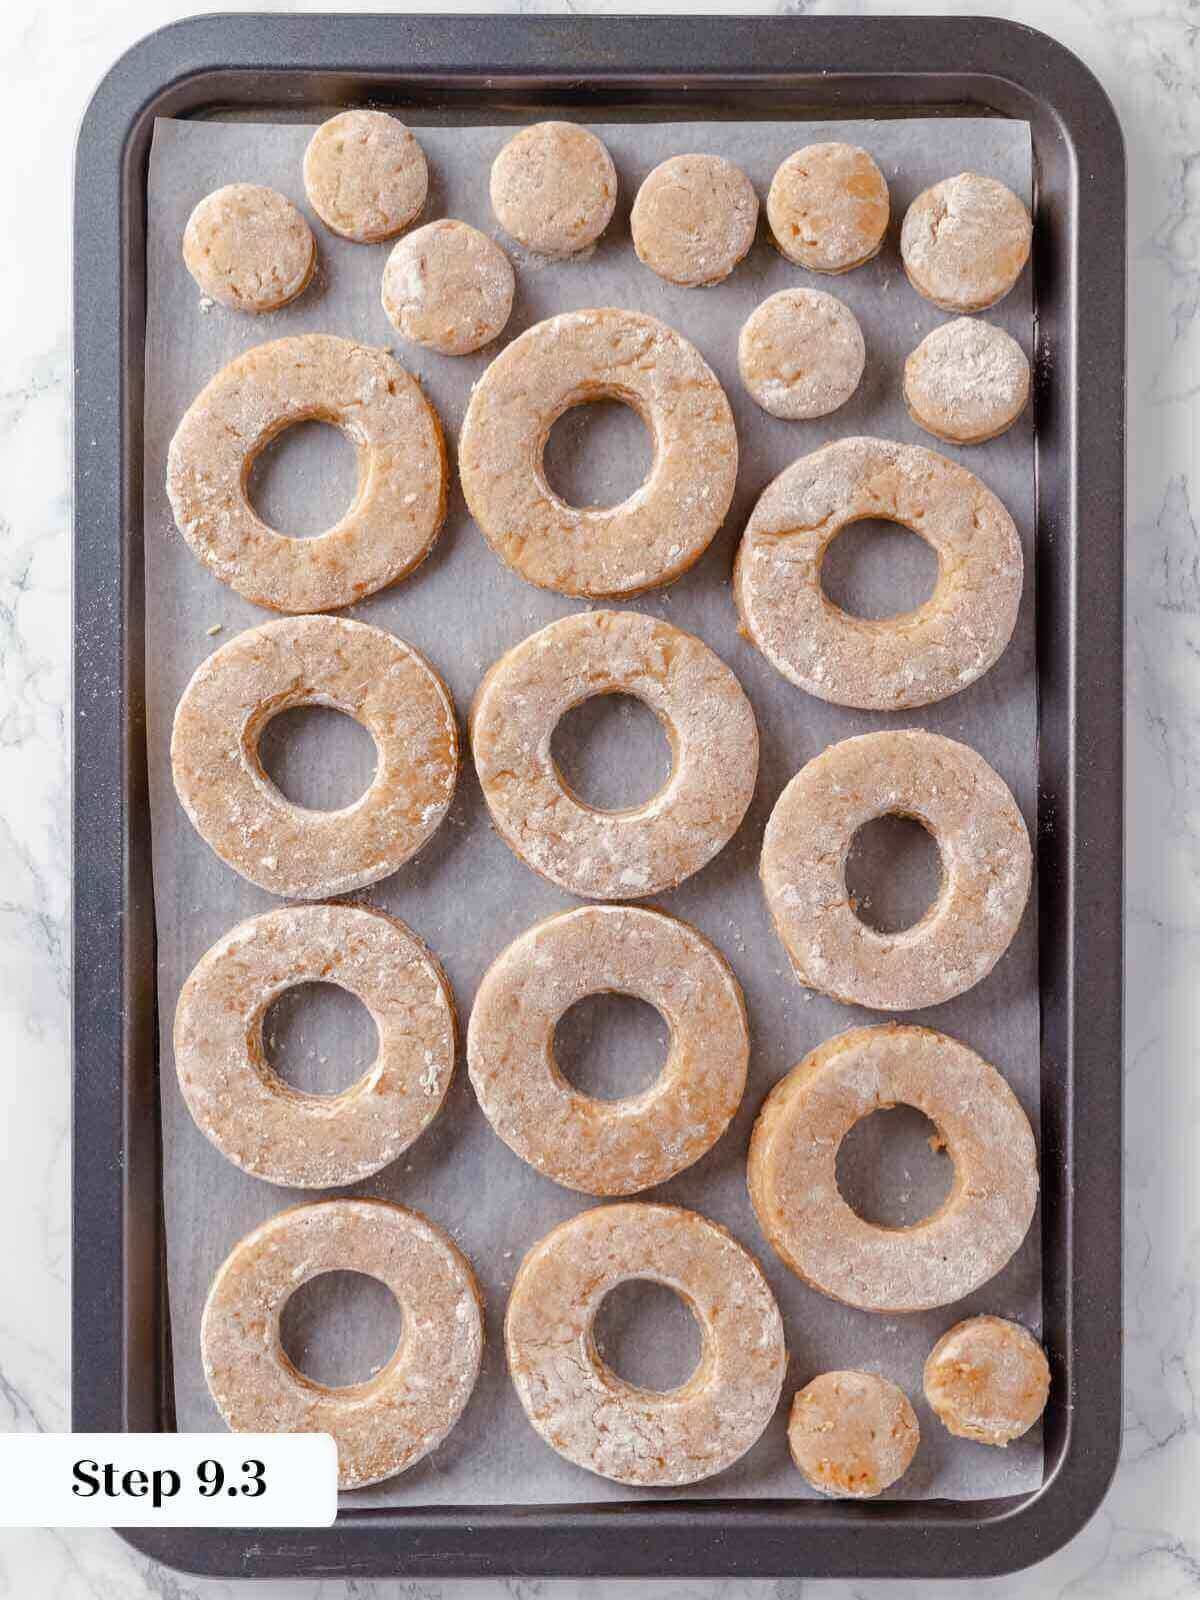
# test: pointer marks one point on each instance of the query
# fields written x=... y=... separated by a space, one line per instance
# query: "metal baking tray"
x=475 y=69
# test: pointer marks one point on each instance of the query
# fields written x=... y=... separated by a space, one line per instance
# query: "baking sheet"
x=468 y=895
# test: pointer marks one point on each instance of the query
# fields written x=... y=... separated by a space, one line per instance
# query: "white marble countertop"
x=1145 y=1541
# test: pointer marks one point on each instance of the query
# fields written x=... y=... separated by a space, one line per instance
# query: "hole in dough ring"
x=256 y=1119
x=608 y=1147
x=616 y=1429
x=986 y=869
x=361 y=671
x=401 y=501
x=614 y=855
x=894 y=663
x=792 y=1169
x=665 y=526
x=387 y=1424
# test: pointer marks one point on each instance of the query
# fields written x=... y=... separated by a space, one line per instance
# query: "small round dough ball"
x=852 y=1434
x=828 y=207
x=694 y=219
x=967 y=381
x=249 y=248
x=448 y=287
x=365 y=175
x=965 y=241
x=801 y=354
x=553 y=188
x=987 y=1380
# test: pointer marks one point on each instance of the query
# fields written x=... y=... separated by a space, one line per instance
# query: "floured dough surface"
x=263 y=1124
x=852 y=1434
x=986 y=859
x=389 y=1422
x=694 y=219
x=965 y=241
x=448 y=287
x=792 y=1170
x=988 y=1380
x=609 y=1147
x=895 y=663
x=553 y=188
x=664 y=527
x=365 y=175
x=249 y=249
x=641 y=850
x=395 y=516
x=361 y=671
x=828 y=207
x=594 y=1418
x=801 y=354
x=966 y=382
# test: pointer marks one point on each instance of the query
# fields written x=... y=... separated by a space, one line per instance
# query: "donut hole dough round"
x=987 y=1380
x=553 y=188
x=852 y=1434
x=828 y=207
x=617 y=1429
x=966 y=382
x=801 y=354
x=609 y=1147
x=249 y=248
x=401 y=501
x=642 y=850
x=965 y=241
x=666 y=525
x=694 y=219
x=448 y=287
x=986 y=861
x=792 y=1170
x=365 y=175
x=264 y=1125
x=361 y=671
x=391 y=1421
x=908 y=660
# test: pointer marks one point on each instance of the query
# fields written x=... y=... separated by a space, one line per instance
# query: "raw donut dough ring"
x=361 y=671
x=899 y=662
x=801 y=354
x=261 y=1123
x=553 y=188
x=390 y=527
x=828 y=207
x=448 y=287
x=365 y=175
x=986 y=862
x=792 y=1169
x=694 y=219
x=965 y=241
x=392 y=1420
x=852 y=1434
x=249 y=248
x=609 y=1147
x=666 y=525
x=614 y=855
x=987 y=1380
x=616 y=1429
x=966 y=382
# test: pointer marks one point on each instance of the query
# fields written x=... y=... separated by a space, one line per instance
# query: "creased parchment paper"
x=468 y=895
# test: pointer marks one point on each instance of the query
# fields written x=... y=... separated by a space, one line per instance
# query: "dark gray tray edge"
x=845 y=66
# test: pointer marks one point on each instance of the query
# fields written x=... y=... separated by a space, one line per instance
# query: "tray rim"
x=119 y=1359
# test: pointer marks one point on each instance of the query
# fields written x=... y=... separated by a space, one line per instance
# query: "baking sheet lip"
x=105 y=1390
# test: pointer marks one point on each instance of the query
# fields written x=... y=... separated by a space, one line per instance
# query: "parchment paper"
x=468 y=895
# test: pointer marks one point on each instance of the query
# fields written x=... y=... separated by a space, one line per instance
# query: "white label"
x=167 y=1480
